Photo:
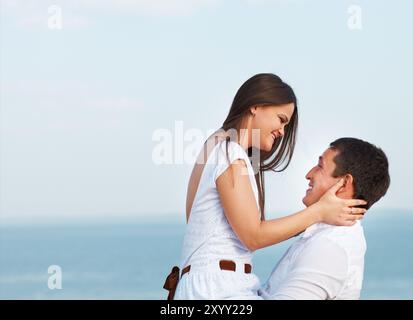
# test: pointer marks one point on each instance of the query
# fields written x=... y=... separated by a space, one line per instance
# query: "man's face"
x=320 y=177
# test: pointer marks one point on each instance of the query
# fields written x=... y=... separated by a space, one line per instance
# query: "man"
x=327 y=262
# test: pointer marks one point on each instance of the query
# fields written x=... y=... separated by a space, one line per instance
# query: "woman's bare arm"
x=242 y=212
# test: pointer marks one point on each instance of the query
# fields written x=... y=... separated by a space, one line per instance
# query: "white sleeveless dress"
x=209 y=238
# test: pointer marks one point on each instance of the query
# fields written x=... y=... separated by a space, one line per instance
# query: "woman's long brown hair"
x=265 y=89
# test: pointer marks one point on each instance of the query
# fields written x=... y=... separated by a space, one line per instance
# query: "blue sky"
x=80 y=105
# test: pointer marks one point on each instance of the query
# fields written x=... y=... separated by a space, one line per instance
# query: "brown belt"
x=172 y=280
x=224 y=265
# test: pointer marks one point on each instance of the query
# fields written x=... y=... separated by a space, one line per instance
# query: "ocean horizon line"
x=158 y=218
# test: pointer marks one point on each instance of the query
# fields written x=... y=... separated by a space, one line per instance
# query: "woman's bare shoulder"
x=198 y=168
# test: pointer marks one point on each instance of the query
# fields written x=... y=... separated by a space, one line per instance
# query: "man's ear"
x=347 y=185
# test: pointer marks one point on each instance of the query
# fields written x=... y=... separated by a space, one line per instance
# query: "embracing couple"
x=226 y=197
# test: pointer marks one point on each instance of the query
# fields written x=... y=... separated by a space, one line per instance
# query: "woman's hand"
x=336 y=211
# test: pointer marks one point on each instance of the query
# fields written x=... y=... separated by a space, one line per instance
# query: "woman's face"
x=270 y=121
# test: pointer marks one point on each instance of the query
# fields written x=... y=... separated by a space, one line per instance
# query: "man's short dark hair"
x=367 y=164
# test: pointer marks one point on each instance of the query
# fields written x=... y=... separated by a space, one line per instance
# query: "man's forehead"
x=328 y=155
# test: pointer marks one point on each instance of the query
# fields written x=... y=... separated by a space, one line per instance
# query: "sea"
x=130 y=259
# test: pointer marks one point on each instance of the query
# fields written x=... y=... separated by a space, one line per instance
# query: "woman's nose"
x=281 y=132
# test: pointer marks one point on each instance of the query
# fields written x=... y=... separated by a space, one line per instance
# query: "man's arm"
x=317 y=274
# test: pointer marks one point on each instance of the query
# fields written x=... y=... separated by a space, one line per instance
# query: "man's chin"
x=307 y=201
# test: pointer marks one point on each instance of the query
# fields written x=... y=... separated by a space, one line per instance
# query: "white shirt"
x=209 y=238
x=327 y=262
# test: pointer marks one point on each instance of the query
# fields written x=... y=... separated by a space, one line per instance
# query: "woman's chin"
x=269 y=146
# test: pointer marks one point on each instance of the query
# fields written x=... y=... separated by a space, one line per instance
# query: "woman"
x=225 y=198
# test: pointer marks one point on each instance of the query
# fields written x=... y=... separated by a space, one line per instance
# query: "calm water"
x=131 y=260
